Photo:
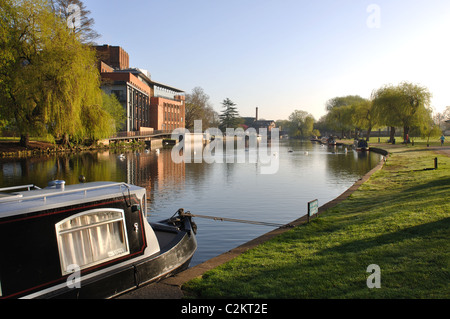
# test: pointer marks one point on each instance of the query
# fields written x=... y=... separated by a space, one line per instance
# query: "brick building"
x=149 y=105
x=167 y=113
x=113 y=56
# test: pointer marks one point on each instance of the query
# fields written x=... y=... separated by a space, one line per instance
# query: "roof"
x=145 y=75
x=167 y=87
x=135 y=71
x=126 y=77
x=24 y=202
x=264 y=122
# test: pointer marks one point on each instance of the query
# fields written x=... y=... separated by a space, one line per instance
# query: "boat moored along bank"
x=90 y=240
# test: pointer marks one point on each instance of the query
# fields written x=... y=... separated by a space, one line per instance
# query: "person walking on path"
x=442 y=139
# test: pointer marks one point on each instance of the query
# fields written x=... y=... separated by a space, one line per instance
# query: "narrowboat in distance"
x=89 y=240
x=361 y=145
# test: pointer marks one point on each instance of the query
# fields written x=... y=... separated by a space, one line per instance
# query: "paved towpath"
x=444 y=150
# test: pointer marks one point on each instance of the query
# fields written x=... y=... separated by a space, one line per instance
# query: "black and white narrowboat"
x=90 y=240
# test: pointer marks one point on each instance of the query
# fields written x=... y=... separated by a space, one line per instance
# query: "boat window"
x=91 y=238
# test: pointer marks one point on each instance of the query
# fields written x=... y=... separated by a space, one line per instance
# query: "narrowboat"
x=331 y=141
x=84 y=241
x=361 y=145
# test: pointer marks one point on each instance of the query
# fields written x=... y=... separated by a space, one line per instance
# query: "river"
x=306 y=172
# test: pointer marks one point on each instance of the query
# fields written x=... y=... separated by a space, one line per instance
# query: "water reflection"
x=235 y=190
x=41 y=170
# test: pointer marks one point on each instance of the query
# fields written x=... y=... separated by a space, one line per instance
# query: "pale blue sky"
x=282 y=55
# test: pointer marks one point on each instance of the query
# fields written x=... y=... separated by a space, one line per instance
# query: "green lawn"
x=398 y=220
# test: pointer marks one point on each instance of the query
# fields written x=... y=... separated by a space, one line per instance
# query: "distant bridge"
x=123 y=136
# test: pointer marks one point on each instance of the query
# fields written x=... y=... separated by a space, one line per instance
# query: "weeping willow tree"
x=406 y=105
x=363 y=117
x=340 y=116
x=18 y=104
x=49 y=80
x=115 y=109
x=301 y=124
x=71 y=90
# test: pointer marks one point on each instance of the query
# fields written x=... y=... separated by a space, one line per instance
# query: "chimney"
x=256 y=114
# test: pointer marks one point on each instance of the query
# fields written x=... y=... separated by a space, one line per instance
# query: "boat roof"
x=30 y=200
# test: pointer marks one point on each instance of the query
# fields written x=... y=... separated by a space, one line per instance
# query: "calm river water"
x=306 y=172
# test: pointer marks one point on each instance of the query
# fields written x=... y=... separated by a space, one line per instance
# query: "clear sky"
x=283 y=55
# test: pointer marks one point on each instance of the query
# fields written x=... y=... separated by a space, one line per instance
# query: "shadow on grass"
x=420 y=192
x=442 y=183
x=420 y=231
x=410 y=269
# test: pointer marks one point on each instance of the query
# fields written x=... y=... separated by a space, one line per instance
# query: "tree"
x=440 y=118
x=301 y=124
x=74 y=12
x=198 y=107
x=446 y=113
x=283 y=125
x=115 y=110
x=321 y=125
x=21 y=27
x=49 y=80
x=386 y=106
x=340 y=118
x=364 y=117
x=229 y=118
x=340 y=112
x=431 y=128
x=443 y=118
x=211 y=117
x=405 y=105
x=343 y=101
x=113 y=107
x=416 y=104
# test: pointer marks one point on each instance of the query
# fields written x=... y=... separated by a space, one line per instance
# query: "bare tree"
x=77 y=17
x=198 y=107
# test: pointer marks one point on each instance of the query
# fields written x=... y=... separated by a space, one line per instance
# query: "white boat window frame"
x=67 y=269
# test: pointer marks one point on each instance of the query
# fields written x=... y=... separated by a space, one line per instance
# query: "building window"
x=91 y=238
x=120 y=95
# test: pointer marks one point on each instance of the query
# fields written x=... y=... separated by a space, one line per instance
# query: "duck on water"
x=89 y=240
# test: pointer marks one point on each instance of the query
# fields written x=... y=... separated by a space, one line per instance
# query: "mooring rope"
x=188 y=214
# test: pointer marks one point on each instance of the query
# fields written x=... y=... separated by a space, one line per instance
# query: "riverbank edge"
x=171 y=288
x=36 y=148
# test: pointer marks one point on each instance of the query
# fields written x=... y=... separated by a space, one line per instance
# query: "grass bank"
x=399 y=220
